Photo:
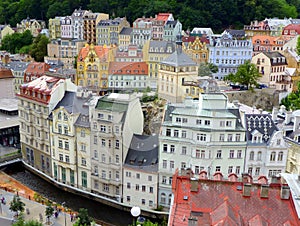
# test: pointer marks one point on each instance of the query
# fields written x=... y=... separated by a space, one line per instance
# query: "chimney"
x=232 y=177
x=285 y=192
x=264 y=191
x=288 y=117
x=218 y=176
x=194 y=184
x=274 y=113
x=203 y=175
x=247 y=190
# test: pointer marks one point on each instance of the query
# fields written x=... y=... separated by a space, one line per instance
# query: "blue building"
x=228 y=53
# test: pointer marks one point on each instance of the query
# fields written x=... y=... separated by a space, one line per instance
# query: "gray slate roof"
x=17 y=65
x=126 y=31
x=153 y=45
x=262 y=123
x=143 y=153
x=179 y=58
x=277 y=55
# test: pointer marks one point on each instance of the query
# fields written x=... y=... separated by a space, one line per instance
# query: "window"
x=67 y=158
x=95 y=154
x=176 y=133
x=239 y=154
x=183 y=134
x=103 y=158
x=198 y=154
x=165 y=147
x=202 y=156
x=164 y=164
x=100 y=116
x=117 y=159
x=228 y=123
x=230 y=168
x=171 y=165
x=183 y=150
x=229 y=137
x=178 y=119
x=183 y=165
x=219 y=154
x=197 y=170
x=149 y=178
x=83 y=147
x=257 y=171
x=59 y=129
x=272 y=156
x=143 y=188
x=222 y=137
x=105 y=188
x=61 y=157
x=218 y=168
x=222 y=124
x=237 y=170
x=170 y=180
x=278 y=141
x=117 y=144
x=128 y=174
x=280 y=156
x=84 y=179
x=66 y=130
x=164 y=180
x=83 y=161
x=82 y=133
x=250 y=169
x=128 y=198
x=207 y=122
x=237 y=137
x=95 y=139
x=184 y=120
x=60 y=144
x=198 y=121
x=259 y=156
x=102 y=128
x=66 y=145
x=151 y=189
x=201 y=136
x=231 y=154
x=172 y=149
x=251 y=157
x=128 y=185
x=168 y=132
x=138 y=176
x=163 y=198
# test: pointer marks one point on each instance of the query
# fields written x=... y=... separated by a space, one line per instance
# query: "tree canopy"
x=206 y=69
x=83 y=218
x=22 y=222
x=213 y=13
x=15 y=42
x=39 y=48
x=16 y=205
x=247 y=74
x=292 y=101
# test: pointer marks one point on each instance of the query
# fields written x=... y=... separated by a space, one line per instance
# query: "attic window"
x=132 y=159
x=185 y=197
x=154 y=161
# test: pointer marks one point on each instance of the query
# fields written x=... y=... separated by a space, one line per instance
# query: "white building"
x=114 y=120
x=141 y=172
x=201 y=135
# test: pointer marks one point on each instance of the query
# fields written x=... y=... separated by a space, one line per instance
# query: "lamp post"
x=135 y=212
x=63 y=204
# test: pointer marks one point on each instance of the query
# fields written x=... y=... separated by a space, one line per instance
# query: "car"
x=261 y=86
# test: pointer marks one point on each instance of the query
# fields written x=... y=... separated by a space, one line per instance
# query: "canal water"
x=96 y=210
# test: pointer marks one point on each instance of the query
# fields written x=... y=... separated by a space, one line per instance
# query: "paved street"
x=35 y=210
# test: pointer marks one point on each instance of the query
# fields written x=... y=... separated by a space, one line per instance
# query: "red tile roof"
x=101 y=51
x=5 y=73
x=128 y=68
x=37 y=68
x=163 y=16
x=291 y=27
x=225 y=203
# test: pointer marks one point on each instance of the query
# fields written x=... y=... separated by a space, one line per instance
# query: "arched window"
x=280 y=156
x=259 y=156
x=251 y=157
x=170 y=198
x=273 y=156
x=163 y=198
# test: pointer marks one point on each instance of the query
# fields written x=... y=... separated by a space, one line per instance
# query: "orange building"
x=35 y=70
x=267 y=43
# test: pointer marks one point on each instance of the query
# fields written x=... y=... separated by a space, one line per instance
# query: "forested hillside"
x=217 y=14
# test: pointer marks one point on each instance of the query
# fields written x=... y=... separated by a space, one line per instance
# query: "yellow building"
x=174 y=72
x=92 y=67
x=54 y=28
x=154 y=52
x=196 y=48
x=124 y=37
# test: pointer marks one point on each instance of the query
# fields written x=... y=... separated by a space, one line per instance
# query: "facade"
x=36 y=101
x=18 y=70
x=257 y=28
x=264 y=43
x=173 y=72
x=78 y=24
x=158 y=25
x=124 y=37
x=154 y=53
x=140 y=172
x=202 y=32
x=222 y=202
x=108 y=31
x=33 y=25
x=272 y=67
x=66 y=156
x=293 y=61
x=92 y=67
x=6 y=83
x=55 y=28
x=35 y=70
x=200 y=135
x=290 y=31
x=128 y=76
x=5 y=30
x=228 y=53
x=90 y=26
x=66 y=27
x=267 y=150
x=114 y=120
x=130 y=53
x=64 y=51
x=141 y=31
x=197 y=49
x=171 y=29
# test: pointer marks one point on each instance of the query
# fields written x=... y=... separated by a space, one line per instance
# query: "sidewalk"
x=35 y=210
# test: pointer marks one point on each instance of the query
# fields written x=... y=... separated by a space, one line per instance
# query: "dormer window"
x=274 y=60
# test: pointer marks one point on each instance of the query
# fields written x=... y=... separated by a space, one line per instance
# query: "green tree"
x=298 y=46
x=16 y=205
x=292 y=101
x=83 y=218
x=49 y=211
x=247 y=74
x=206 y=69
x=39 y=48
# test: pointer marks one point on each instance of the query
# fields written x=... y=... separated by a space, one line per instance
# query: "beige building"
x=124 y=37
x=174 y=71
x=5 y=30
x=33 y=25
x=37 y=99
x=18 y=69
x=90 y=21
x=114 y=120
x=67 y=157
x=54 y=28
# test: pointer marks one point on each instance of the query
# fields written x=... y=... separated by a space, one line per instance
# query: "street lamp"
x=135 y=212
x=65 y=213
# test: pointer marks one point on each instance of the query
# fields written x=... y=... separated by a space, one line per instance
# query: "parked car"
x=261 y=86
x=238 y=87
